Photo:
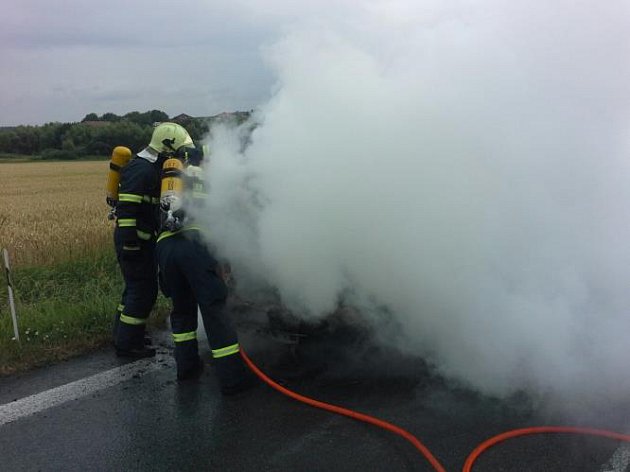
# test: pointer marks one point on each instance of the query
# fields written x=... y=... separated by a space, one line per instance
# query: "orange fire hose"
x=470 y=460
x=488 y=443
x=349 y=413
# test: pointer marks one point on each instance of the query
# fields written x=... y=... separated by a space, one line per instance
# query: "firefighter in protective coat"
x=192 y=278
x=137 y=224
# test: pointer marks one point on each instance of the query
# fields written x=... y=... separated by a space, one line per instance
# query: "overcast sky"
x=64 y=59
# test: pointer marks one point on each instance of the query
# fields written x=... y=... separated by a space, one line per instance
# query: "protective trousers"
x=141 y=286
x=188 y=276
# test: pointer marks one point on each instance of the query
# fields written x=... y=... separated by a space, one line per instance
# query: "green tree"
x=147 y=118
x=98 y=148
x=72 y=140
x=81 y=135
x=51 y=135
x=124 y=133
x=157 y=116
x=90 y=117
x=110 y=117
x=134 y=117
x=25 y=140
x=7 y=138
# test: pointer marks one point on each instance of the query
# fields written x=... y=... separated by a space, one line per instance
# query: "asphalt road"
x=99 y=414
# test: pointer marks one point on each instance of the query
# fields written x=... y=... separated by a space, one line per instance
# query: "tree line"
x=96 y=136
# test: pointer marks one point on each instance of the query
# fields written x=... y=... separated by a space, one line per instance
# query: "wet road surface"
x=143 y=420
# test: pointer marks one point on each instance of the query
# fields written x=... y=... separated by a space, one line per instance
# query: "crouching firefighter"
x=191 y=277
x=137 y=223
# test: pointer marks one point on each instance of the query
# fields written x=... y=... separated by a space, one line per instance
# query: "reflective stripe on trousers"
x=130 y=320
x=225 y=351
x=183 y=337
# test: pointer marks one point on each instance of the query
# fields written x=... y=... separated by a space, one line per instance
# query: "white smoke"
x=464 y=164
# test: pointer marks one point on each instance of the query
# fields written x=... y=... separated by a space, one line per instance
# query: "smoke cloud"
x=464 y=164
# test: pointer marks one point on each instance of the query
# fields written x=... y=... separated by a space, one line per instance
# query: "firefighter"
x=192 y=277
x=137 y=223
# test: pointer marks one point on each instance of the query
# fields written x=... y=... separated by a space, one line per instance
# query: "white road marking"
x=30 y=405
x=619 y=461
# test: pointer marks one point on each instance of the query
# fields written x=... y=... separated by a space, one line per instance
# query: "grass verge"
x=63 y=310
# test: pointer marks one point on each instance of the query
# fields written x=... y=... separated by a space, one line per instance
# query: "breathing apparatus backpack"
x=181 y=185
x=121 y=156
x=171 y=194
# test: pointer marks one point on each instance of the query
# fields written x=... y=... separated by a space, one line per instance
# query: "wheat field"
x=53 y=211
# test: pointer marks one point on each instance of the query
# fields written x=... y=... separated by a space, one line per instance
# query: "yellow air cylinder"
x=120 y=157
x=172 y=182
x=171 y=193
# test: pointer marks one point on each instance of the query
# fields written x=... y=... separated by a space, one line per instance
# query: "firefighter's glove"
x=131 y=250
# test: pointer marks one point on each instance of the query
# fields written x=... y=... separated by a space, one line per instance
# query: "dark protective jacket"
x=137 y=220
x=138 y=200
